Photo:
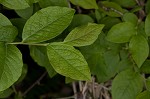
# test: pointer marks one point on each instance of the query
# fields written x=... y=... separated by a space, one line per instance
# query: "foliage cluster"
x=79 y=39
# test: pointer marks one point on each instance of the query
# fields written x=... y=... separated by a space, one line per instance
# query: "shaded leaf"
x=147 y=25
x=25 y=13
x=86 y=4
x=47 y=24
x=68 y=61
x=125 y=3
x=78 y=20
x=39 y=54
x=121 y=33
x=6 y=93
x=11 y=65
x=110 y=8
x=127 y=85
x=145 y=68
x=139 y=49
x=84 y=35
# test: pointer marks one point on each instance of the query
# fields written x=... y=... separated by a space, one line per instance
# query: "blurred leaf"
x=121 y=33
x=130 y=17
x=86 y=4
x=25 y=13
x=68 y=61
x=6 y=93
x=110 y=8
x=144 y=95
x=147 y=25
x=46 y=3
x=125 y=3
x=11 y=65
x=39 y=55
x=47 y=24
x=15 y=4
x=84 y=35
x=139 y=49
x=127 y=85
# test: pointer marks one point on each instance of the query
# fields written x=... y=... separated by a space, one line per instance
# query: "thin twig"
x=69 y=5
x=80 y=86
x=74 y=90
x=36 y=82
x=93 y=87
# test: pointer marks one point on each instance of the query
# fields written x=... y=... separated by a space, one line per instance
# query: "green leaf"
x=46 y=3
x=103 y=63
x=4 y=20
x=68 y=61
x=127 y=85
x=145 y=68
x=78 y=20
x=6 y=93
x=139 y=49
x=109 y=22
x=86 y=4
x=144 y=95
x=15 y=4
x=147 y=25
x=25 y=13
x=110 y=8
x=125 y=3
x=121 y=33
x=130 y=17
x=39 y=54
x=148 y=84
x=147 y=6
x=84 y=35
x=11 y=65
x=8 y=33
x=47 y=24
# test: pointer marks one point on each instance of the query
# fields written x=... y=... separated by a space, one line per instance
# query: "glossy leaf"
x=84 y=35
x=15 y=4
x=11 y=65
x=86 y=4
x=47 y=24
x=147 y=25
x=144 y=95
x=8 y=33
x=127 y=85
x=121 y=33
x=4 y=20
x=46 y=3
x=39 y=55
x=139 y=49
x=68 y=61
